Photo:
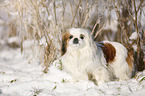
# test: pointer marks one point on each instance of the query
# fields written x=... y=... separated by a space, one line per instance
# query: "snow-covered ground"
x=21 y=75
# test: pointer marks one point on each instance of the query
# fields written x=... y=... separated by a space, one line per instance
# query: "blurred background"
x=40 y=24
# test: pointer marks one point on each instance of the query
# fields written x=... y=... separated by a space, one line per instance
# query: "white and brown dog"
x=85 y=59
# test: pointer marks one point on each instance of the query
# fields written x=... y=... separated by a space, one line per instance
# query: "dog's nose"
x=76 y=41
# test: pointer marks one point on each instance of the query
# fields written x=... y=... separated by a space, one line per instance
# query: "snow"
x=21 y=75
x=134 y=47
x=133 y=36
x=112 y=25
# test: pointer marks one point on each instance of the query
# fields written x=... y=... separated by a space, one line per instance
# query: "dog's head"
x=75 y=38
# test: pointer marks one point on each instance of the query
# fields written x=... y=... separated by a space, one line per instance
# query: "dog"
x=85 y=59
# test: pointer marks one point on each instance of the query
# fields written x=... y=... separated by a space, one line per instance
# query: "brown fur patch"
x=130 y=61
x=109 y=51
x=65 y=39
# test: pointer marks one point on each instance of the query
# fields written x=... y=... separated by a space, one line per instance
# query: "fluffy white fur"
x=119 y=66
x=85 y=59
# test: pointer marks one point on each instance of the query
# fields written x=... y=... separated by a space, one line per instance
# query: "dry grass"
x=129 y=21
x=49 y=18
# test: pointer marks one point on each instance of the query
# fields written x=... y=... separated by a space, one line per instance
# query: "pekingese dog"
x=84 y=59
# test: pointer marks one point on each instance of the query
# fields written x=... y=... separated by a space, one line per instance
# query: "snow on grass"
x=133 y=36
x=21 y=75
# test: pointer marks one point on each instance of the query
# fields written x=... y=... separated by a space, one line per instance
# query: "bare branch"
x=100 y=30
x=71 y=8
x=97 y=22
x=75 y=12
x=54 y=8
x=140 y=5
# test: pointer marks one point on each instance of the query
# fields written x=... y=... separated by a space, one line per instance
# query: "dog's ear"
x=64 y=44
x=63 y=47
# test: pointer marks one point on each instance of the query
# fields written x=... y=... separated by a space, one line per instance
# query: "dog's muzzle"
x=75 y=41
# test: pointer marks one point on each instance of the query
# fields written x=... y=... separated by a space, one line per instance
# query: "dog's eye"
x=82 y=37
x=70 y=37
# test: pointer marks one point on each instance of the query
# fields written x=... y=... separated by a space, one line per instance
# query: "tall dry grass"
x=130 y=20
x=47 y=20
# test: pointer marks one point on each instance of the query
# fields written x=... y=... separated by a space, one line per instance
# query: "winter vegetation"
x=30 y=39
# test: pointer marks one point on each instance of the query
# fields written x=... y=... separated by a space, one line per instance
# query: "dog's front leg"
x=101 y=75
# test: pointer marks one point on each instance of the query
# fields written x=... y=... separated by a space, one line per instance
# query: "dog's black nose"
x=76 y=41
